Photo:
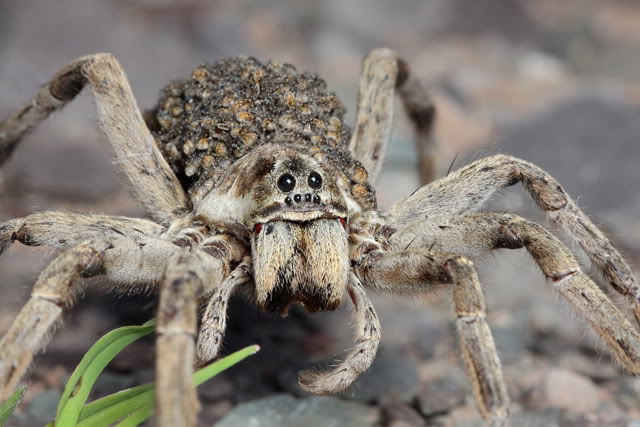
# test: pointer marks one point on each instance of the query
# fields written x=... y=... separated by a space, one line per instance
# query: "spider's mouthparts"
x=258 y=226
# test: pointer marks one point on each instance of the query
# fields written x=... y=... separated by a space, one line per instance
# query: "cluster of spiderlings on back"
x=202 y=125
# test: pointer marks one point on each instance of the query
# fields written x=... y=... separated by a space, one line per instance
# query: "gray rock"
x=565 y=389
x=442 y=395
x=287 y=380
x=538 y=418
x=215 y=389
x=283 y=410
x=392 y=376
x=627 y=392
x=43 y=406
x=401 y=415
x=510 y=342
x=65 y=171
x=598 y=369
x=110 y=382
x=589 y=143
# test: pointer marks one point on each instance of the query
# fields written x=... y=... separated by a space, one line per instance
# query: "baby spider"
x=252 y=179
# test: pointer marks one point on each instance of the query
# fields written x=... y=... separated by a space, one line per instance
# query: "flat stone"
x=215 y=389
x=110 y=382
x=598 y=369
x=511 y=342
x=401 y=415
x=393 y=376
x=43 y=406
x=537 y=418
x=284 y=410
x=627 y=393
x=574 y=142
x=565 y=389
x=441 y=395
x=64 y=171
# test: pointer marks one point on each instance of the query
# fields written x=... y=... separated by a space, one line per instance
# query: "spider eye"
x=315 y=180
x=286 y=182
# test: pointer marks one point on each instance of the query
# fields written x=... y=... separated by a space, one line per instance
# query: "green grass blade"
x=111 y=414
x=139 y=402
x=7 y=408
x=137 y=417
x=226 y=362
x=99 y=355
x=111 y=400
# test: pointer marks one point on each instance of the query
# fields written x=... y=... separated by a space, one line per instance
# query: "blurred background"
x=556 y=83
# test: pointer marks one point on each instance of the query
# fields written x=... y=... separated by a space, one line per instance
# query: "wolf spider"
x=252 y=179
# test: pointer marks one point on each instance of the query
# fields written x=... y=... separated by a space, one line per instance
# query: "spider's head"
x=296 y=213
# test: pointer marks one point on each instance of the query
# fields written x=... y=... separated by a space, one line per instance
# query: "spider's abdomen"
x=204 y=124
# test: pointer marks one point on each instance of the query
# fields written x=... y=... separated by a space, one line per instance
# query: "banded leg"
x=359 y=359
x=477 y=345
x=33 y=328
x=473 y=234
x=176 y=399
x=136 y=254
x=151 y=180
x=466 y=189
x=419 y=272
x=382 y=73
x=419 y=106
x=214 y=320
x=186 y=276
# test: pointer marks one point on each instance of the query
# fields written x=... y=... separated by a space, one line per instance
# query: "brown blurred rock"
x=442 y=395
x=600 y=369
x=564 y=389
x=401 y=415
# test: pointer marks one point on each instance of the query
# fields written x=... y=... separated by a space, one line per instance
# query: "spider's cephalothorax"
x=250 y=177
x=295 y=208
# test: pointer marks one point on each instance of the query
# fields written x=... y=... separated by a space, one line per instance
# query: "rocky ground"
x=553 y=82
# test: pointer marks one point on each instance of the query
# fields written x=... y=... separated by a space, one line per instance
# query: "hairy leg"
x=54 y=290
x=136 y=254
x=467 y=188
x=419 y=106
x=473 y=234
x=149 y=176
x=359 y=359
x=214 y=320
x=176 y=399
x=478 y=348
x=382 y=74
x=188 y=275
x=419 y=272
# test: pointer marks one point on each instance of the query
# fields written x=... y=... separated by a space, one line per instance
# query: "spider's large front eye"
x=286 y=182
x=315 y=180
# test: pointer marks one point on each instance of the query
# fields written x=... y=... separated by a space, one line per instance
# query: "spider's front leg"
x=474 y=234
x=417 y=272
x=214 y=320
x=31 y=330
x=360 y=358
x=188 y=275
x=383 y=74
x=183 y=282
x=150 y=178
x=466 y=189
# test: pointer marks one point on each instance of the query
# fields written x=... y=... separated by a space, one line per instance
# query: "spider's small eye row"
x=298 y=198
x=287 y=182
